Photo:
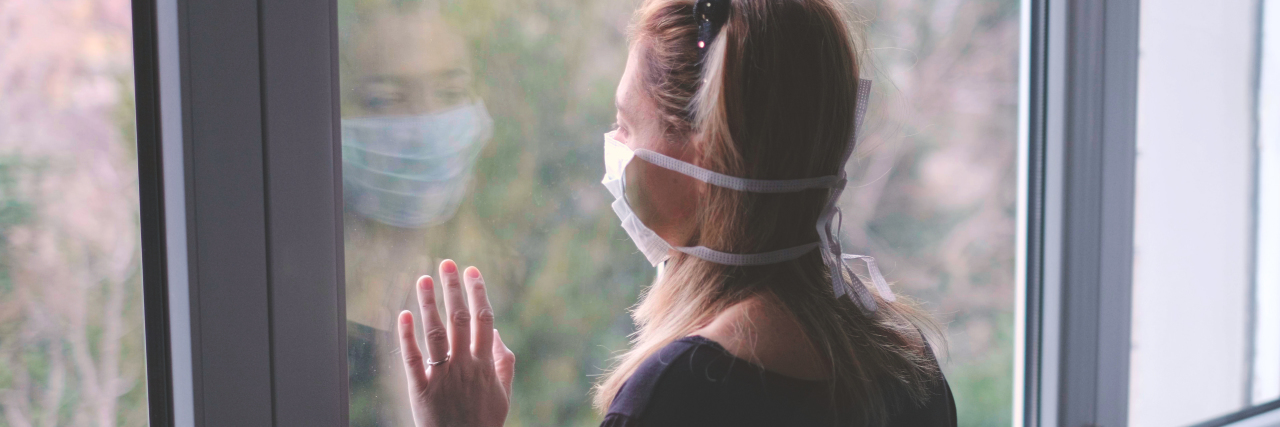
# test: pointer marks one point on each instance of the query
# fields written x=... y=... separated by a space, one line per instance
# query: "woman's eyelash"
x=614 y=126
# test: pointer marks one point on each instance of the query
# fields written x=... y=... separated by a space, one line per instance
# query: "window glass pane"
x=1205 y=291
x=71 y=345
x=502 y=167
x=933 y=188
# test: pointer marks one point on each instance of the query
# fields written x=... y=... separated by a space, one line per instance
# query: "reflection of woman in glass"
x=413 y=127
x=735 y=120
x=411 y=130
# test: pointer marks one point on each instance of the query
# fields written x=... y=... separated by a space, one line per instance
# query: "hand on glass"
x=466 y=381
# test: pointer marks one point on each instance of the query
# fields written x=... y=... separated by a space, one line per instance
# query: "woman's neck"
x=764 y=332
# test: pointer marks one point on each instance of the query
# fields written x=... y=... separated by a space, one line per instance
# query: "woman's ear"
x=691 y=153
x=692 y=149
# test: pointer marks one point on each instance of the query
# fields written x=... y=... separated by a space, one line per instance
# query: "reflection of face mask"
x=656 y=249
x=412 y=171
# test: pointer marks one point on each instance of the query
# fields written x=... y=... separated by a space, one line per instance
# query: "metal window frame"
x=239 y=174
x=1099 y=132
x=1081 y=141
x=151 y=214
x=1081 y=151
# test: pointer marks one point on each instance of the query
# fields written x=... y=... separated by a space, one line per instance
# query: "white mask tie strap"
x=832 y=255
x=882 y=286
x=733 y=182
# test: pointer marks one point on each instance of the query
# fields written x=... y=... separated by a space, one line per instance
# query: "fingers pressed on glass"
x=412 y=356
x=455 y=307
x=504 y=362
x=433 y=329
x=481 y=315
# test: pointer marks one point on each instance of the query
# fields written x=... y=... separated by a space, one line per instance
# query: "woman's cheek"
x=678 y=194
x=664 y=200
x=645 y=193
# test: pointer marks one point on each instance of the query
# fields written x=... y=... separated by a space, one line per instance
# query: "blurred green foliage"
x=14 y=210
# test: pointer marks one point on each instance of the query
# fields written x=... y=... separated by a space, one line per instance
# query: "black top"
x=696 y=382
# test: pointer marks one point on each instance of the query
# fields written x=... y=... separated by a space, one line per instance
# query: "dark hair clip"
x=710 y=15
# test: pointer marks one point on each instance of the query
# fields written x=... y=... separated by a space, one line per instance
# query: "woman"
x=735 y=118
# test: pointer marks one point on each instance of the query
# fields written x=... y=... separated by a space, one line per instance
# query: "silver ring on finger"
x=437 y=362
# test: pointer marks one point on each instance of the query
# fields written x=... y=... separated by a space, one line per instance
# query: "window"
x=71 y=344
x=1206 y=341
x=471 y=129
x=1084 y=192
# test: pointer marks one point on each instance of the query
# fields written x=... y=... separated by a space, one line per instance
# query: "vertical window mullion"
x=1090 y=88
x=304 y=213
x=244 y=174
x=1028 y=382
x=151 y=214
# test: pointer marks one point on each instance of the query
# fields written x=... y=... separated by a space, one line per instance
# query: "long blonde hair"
x=772 y=99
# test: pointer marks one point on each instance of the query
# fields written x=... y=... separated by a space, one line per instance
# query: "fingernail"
x=424 y=282
x=473 y=272
x=406 y=319
x=448 y=266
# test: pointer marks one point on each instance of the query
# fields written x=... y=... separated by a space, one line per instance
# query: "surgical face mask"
x=656 y=249
x=412 y=171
